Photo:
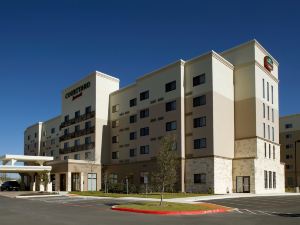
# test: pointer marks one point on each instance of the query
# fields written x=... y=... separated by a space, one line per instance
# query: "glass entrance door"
x=92 y=182
x=62 y=182
x=243 y=184
x=75 y=185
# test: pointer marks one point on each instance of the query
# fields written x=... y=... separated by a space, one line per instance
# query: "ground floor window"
x=274 y=179
x=266 y=178
x=270 y=179
x=113 y=178
x=144 y=177
x=200 y=178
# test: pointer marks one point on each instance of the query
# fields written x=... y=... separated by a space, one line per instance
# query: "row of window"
x=87 y=140
x=171 y=86
x=269 y=132
x=270 y=179
x=170 y=126
x=87 y=125
x=87 y=156
x=266 y=112
x=268 y=91
x=272 y=154
x=88 y=109
x=44 y=134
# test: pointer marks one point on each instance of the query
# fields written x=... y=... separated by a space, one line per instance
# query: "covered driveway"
x=32 y=171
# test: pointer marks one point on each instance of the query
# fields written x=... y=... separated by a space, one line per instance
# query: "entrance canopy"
x=34 y=163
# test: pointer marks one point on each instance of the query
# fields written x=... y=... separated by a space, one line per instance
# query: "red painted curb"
x=194 y=212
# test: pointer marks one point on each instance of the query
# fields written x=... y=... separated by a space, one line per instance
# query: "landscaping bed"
x=171 y=208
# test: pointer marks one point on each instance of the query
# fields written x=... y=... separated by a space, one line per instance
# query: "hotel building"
x=290 y=145
x=222 y=108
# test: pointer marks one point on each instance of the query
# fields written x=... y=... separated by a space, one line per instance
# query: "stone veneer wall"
x=199 y=165
x=243 y=167
x=222 y=176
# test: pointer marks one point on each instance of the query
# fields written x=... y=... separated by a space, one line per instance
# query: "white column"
x=81 y=182
x=69 y=181
x=57 y=182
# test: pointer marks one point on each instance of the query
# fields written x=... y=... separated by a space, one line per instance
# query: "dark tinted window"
x=171 y=86
x=200 y=79
x=200 y=100
x=170 y=106
x=144 y=95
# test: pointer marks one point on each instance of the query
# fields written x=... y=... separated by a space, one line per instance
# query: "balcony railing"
x=78 y=119
x=77 y=148
x=76 y=134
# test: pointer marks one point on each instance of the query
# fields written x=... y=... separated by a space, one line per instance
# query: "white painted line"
x=249 y=211
x=265 y=213
x=237 y=210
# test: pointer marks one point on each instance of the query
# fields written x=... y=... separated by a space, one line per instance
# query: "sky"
x=45 y=46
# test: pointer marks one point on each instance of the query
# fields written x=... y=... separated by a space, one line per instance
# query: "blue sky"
x=47 y=45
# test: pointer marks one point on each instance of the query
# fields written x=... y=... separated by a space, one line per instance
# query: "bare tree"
x=44 y=176
x=167 y=163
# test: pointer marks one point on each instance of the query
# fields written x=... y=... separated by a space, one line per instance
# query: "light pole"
x=296 y=182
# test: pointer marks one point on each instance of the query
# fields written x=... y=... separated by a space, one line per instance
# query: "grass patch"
x=152 y=195
x=168 y=206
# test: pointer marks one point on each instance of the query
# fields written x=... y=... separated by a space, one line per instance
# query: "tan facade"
x=222 y=108
x=290 y=155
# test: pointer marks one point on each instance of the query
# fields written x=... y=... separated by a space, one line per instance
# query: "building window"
x=200 y=100
x=274 y=152
x=200 y=79
x=288 y=136
x=66 y=131
x=28 y=138
x=77 y=128
x=144 y=95
x=270 y=179
x=67 y=118
x=88 y=109
x=115 y=108
x=268 y=112
x=52 y=141
x=77 y=142
x=274 y=179
x=77 y=114
x=144 y=150
x=200 y=143
x=52 y=130
x=77 y=156
x=88 y=124
x=66 y=157
x=113 y=178
x=144 y=177
x=66 y=145
x=144 y=113
x=272 y=97
x=288 y=125
x=133 y=119
x=200 y=178
x=115 y=123
x=88 y=156
x=115 y=139
x=132 y=152
x=273 y=135
x=269 y=132
x=263 y=83
x=170 y=106
x=88 y=140
x=272 y=115
x=268 y=91
x=144 y=131
x=287 y=146
x=269 y=151
x=35 y=134
x=115 y=155
x=290 y=181
x=132 y=102
x=51 y=153
x=200 y=122
x=171 y=126
x=132 y=136
x=170 y=86
x=264 y=127
x=264 y=110
x=266 y=178
x=265 y=150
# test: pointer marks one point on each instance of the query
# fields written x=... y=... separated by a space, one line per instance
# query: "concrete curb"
x=193 y=212
x=38 y=196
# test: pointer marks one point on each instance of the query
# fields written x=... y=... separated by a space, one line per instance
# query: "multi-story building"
x=222 y=108
x=290 y=145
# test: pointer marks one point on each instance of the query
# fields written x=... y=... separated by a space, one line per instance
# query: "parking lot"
x=76 y=210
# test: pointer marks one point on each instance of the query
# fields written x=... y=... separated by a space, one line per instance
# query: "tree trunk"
x=161 y=194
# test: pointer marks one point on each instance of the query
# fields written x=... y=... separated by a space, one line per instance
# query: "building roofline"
x=291 y=115
x=253 y=41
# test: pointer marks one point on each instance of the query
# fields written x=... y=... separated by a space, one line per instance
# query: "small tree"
x=165 y=176
x=44 y=176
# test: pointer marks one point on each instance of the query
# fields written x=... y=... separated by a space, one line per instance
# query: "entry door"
x=52 y=177
x=75 y=186
x=243 y=184
x=92 y=182
x=62 y=182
